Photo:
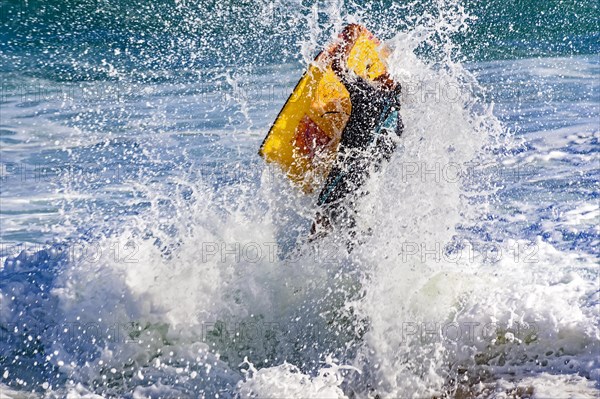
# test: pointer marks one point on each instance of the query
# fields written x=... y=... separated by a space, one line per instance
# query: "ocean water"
x=149 y=252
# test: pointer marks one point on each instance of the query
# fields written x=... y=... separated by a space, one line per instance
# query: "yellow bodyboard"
x=304 y=138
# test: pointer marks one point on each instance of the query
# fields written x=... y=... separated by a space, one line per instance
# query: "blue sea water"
x=148 y=251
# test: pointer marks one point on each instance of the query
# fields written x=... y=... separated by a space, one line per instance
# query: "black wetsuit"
x=363 y=144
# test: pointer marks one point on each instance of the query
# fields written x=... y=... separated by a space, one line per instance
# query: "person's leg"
x=341 y=191
x=385 y=146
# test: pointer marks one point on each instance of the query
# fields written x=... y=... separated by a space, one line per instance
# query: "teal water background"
x=48 y=36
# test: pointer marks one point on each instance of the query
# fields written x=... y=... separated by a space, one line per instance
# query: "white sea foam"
x=210 y=289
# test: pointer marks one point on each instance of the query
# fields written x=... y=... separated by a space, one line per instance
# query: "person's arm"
x=340 y=54
x=340 y=60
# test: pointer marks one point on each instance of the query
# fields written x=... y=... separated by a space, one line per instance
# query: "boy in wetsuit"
x=363 y=143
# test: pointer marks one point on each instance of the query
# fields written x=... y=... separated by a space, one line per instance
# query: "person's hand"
x=386 y=82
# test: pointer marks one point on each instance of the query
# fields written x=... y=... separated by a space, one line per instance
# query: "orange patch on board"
x=310 y=138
